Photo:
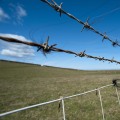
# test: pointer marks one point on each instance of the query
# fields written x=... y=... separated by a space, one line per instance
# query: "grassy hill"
x=22 y=85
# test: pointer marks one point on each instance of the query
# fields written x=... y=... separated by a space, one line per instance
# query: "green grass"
x=22 y=85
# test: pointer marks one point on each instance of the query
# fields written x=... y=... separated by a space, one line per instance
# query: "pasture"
x=22 y=85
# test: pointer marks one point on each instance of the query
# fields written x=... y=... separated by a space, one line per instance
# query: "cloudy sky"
x=30 y=20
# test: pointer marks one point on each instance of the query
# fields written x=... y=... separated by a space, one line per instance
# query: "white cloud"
x=8 y=52
x=3 y=15
x=16 y=49
x=21 y=12
x=17 y=13
x=15 y=36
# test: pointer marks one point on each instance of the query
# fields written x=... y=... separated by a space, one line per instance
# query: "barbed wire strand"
x=86 y=25
x=45 y=48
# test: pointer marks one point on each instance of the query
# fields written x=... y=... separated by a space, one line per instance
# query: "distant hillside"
x=18 y=62
x=7 y=61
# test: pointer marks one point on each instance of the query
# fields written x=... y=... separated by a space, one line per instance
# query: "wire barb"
x=46 y=48
x=115 y=43
x=57 y=7
x=104 y=37
x=86 y=25
x=81 y=54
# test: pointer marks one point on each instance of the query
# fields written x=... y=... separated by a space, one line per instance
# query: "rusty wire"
x=86 y=25
x=46 y=48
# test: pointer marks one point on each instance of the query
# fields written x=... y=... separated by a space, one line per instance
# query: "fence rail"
x=62 y=101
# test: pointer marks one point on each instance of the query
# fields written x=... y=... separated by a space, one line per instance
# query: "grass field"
x=22 y=85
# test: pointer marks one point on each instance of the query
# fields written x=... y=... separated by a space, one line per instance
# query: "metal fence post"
x=63 y=107
x=101 y=104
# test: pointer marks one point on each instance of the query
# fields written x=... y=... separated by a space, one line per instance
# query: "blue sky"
x=34 y=21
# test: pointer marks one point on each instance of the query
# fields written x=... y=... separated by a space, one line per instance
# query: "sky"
x=33 y=20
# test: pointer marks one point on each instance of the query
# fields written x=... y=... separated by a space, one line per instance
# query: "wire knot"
x=81 y=54
x=114 y=43
x=101 y=58
x=86 y=25
x=57 y=7
x=45 y=47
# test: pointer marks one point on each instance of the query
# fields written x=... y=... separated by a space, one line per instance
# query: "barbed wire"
x=45 y=48
x=86 y=24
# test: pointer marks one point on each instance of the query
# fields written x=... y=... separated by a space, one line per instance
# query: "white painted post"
x=118 y=96
x=101 y=104
x=63 y=107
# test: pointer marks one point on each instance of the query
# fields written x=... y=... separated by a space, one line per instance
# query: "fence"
x=86 y=24
x=67 y=97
